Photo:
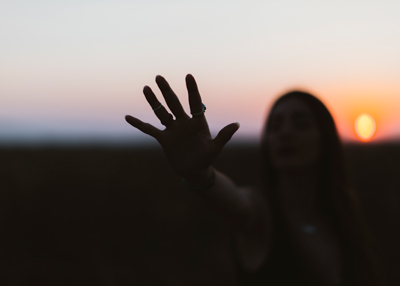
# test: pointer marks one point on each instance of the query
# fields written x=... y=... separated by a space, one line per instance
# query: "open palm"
x=186 y=140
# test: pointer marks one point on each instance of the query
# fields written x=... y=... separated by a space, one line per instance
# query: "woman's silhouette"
x=303 y=226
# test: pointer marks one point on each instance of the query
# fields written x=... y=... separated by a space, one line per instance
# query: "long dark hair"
x=336 y=199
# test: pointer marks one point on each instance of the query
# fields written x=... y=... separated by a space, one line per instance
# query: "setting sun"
x=365 y=127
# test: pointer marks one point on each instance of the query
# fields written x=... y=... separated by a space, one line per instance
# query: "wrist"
x=199 y=177
x=202 y=180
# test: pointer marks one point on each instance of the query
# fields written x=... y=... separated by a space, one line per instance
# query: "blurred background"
x=87 y=199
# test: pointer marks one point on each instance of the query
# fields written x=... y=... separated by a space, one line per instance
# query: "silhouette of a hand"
x=186 y=140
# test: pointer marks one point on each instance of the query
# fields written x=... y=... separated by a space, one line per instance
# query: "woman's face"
x=293 y=137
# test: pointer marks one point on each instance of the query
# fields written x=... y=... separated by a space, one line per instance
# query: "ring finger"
x=165 y=117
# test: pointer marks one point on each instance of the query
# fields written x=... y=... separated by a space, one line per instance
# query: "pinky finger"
x=144 y=127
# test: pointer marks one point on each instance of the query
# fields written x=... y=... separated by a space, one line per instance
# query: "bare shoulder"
x=253 y=241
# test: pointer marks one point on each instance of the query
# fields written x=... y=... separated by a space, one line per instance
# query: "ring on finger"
x=203 y=110
x=162 y=112
x=154 y=109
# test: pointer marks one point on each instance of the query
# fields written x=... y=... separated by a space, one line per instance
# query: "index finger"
x=195 y=102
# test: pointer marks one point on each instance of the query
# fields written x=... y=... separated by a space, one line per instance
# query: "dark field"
x=104 y=216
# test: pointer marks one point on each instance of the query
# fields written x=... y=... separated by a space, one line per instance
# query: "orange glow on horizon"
x=365 y=127
x=347 y=103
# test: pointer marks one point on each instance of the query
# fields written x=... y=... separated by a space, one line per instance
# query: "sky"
x=71 y=70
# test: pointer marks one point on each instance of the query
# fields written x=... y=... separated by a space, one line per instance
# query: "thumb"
x=225 y=135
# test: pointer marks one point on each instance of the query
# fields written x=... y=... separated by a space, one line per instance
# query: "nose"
x=287 y=128
x=286 y=133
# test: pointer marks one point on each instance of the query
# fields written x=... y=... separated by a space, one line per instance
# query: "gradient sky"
x=71 y=70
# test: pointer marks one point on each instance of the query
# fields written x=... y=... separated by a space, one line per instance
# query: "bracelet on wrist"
x=202 y=187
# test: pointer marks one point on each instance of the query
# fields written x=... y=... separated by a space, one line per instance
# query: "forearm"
x=225 y=197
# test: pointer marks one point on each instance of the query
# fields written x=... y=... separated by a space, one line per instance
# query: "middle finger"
x=170 y=98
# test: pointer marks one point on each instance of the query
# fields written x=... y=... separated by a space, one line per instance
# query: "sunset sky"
x=71 y=70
